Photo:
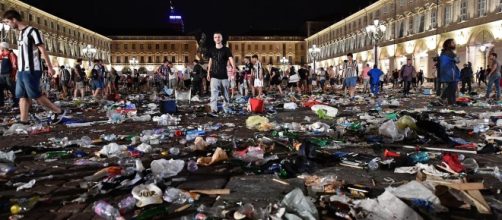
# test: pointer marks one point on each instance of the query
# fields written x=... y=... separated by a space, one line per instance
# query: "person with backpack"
x=449 y=73
x=8 y=69
x=78 y=76
x=65 y=81
x=97 y=83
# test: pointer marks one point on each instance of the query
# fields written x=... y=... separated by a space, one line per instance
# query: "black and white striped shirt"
x=29 y=55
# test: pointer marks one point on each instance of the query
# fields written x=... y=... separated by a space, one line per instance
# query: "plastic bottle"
x=192 y=166
x=192 y=134
x=85 y=141
x=6 y=169
x=176 y=196
x=127 y=204
x=174 y=151
x=373 y=164
x=106 y=211
x=419 y=157
x=24 y=205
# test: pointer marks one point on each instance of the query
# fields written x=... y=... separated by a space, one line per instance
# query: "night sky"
x=232 y=17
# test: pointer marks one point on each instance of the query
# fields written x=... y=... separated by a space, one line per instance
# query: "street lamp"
x=4 y=31
x=376 y=32
x=314 y=52
x=89 y=52
x=133 y=62
x=284 y=62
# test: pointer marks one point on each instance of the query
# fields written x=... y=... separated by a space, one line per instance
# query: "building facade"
x=269 y=49
x=415 y=29
x=151 y=51
x=64 y=40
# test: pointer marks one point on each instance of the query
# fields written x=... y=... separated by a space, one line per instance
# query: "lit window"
x=447 y=14
x=481 y=8
x=463 y=10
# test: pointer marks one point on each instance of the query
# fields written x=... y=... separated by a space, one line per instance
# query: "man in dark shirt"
x=197 y=74
x=219 y=56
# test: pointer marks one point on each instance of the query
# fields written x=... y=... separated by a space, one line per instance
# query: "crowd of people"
x=32 y=77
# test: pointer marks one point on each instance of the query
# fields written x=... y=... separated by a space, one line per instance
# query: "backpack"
x=66 y=75
x=94 y=74
x=5 y=66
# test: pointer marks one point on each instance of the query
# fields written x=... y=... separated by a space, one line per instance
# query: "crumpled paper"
x=218 y=156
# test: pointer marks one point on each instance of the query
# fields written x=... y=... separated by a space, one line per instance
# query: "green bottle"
x=56 y=155
x=153 y=212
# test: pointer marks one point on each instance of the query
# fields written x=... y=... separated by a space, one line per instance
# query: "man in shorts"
x=350 y=75
x=31 y=50
x=258 y=75
x=275 y=78
x=78 y=78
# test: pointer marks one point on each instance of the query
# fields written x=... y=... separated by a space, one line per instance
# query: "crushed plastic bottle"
x=192 y=166
x=192 y=134
x=374 y=164
x=127 y=204
x=115 y=118
x=174 y=151
x=177 y=196
x=85 y=141
x=6 y=169
x=106 y=211
x=419 y=157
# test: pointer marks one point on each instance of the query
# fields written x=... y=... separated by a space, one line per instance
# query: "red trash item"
x=453 y=162
x=388 y=153
x=113 y=170
x=256 y=105
x=310 y=103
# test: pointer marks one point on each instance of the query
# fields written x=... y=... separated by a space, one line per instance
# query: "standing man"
x=407 y=72
x=79 y=78
x=493 y=76
x=219 y=56
x=448 y=71
x=8 y=72
x=466 y=77
x=350 y=75
x=161 y=76
x=275 y=78
x=481 y=76
x=258 y=74
x=31 y=50
x=197 y=74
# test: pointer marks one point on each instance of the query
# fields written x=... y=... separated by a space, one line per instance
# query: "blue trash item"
x=192 y=134
x=168 y=106
x=427 y=91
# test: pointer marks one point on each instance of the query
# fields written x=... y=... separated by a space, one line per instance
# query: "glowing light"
x=409 y=47
x=431 y=42
x=460 y=38
x=175 y=17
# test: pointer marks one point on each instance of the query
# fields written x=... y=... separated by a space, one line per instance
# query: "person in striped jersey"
x=31 y=50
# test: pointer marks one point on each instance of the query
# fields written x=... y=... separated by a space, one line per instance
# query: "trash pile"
x=324 y=156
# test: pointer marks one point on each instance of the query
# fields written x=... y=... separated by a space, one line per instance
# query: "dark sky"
x=148 y=17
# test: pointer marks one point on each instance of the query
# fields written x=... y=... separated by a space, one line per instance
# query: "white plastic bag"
x=166 y=168
x=389 y=129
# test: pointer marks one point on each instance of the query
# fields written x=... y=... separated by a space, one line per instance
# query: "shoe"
x=35 y=118
x=213 y=114
x=56 y=118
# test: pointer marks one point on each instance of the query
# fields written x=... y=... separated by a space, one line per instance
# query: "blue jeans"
x=216 y=86
x=28 y=84
x=375 y=88
x=493 y=80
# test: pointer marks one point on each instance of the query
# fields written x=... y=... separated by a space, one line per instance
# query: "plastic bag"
x=7 y=156
x=296 y=201
x=406 y=122
x=166 y=168
x=290 y=106
x=389 y=129
x=112 y=150
x=330 y=111
x=259 y=123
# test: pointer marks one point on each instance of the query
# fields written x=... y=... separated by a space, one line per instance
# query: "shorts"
x=258 y=83
x=292 y=84
x=275 y=82
x=96 y=84
x=350 y=82
x=28 y=84
x=79 y=85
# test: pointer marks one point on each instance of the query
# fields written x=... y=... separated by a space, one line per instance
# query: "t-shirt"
x=258 y=69
x=275 y=71
x=29 y=55
x=303 y=73
x=366 y=70
x=219 y=58
x=497 y=70
x=350 y=70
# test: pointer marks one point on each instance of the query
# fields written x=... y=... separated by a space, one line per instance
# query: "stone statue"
x=202 y=50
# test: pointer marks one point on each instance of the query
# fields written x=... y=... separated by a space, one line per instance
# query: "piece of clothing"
x=491 y=82
x=407 y=72
x=217 y=86
x=29 y=55
x=350 y=70
x=448 y=70
x=219 y=59
x=28 y=84
x=350 y=81
x=375 y=88
x=375 y=75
